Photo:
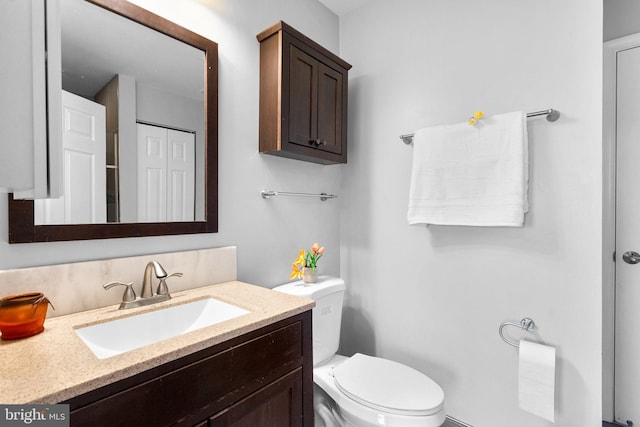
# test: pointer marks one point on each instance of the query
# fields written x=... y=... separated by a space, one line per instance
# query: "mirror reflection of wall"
x=138 y=75
x=114 y=97
x=621 y=18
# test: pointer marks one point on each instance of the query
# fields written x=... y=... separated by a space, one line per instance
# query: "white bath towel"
x=471 y=175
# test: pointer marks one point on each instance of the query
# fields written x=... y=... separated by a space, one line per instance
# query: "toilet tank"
x=328 y=294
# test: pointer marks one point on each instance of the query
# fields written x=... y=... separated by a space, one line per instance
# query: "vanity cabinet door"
x=303 y=98
x=278 y=404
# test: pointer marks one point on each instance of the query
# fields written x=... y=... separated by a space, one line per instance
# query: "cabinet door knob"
x=318 y=142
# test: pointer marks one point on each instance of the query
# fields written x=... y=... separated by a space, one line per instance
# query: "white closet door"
x=181 y=176
x=627 y=340
x=152 y=173
x=166 y=174
x=84 y=177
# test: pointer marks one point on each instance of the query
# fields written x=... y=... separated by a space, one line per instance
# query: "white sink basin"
x=121 y=335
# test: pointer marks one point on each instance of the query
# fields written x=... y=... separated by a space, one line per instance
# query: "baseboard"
x=612 y=424
x=452 y=422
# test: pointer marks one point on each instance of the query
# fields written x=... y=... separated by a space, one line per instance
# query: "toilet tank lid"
x=326 y=285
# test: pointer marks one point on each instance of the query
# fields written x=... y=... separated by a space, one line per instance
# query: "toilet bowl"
x=365 y=391
x=361 y=390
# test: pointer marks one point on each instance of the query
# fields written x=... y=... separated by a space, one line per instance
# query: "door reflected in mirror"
x=133 y=123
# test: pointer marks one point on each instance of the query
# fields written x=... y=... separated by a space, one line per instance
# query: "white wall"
x=268 y=233
x=434 y=297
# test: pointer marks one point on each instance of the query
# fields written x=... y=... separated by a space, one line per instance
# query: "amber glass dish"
x=22 y=315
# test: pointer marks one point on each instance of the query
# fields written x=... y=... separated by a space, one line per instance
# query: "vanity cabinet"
x=303 y=98
x=264 y=377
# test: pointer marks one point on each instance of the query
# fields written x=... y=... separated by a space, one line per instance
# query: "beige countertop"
x=56 y=365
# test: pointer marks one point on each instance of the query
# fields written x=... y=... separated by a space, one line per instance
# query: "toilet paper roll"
x=537 y=374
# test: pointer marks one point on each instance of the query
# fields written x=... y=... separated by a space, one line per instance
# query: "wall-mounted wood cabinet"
x=303 y=97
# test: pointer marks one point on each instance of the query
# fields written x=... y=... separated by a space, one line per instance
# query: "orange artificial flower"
x=306 y=259
x=296 y=272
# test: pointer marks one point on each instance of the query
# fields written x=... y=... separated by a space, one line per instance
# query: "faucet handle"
x=128 y=295
x=163 y=289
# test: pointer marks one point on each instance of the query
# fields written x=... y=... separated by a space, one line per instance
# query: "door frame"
x=610 y=52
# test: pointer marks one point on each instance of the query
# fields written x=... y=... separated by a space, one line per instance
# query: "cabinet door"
x=279 y=404
x=30 y=84
x=315 y=103
x=330 y=119
x=303 y=94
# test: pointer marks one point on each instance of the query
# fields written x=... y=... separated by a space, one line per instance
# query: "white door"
x=181 y=175
x=627 y=339
x=84 y=160
x=152 y=173
x=166 y=174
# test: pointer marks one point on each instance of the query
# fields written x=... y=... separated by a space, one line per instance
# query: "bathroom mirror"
x=159 y=81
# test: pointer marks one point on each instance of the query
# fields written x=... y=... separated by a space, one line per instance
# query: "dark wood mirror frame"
x=22 y=228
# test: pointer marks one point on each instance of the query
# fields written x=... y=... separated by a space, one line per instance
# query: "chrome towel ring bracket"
x=525 y=324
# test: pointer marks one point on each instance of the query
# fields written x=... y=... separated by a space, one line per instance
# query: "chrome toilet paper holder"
x=525 y=324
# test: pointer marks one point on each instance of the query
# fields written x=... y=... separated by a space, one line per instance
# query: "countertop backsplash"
x=77 y=286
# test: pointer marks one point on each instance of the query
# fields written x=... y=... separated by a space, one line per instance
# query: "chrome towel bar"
x=525 y=324
x=267 y=194
x=552 y=116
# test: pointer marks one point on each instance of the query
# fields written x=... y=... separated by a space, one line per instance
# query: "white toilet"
x=361 y=391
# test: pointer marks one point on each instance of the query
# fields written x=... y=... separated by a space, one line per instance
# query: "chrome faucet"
x=147 y=297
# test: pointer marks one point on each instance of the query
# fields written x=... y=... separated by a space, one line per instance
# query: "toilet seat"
x=388 y=386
